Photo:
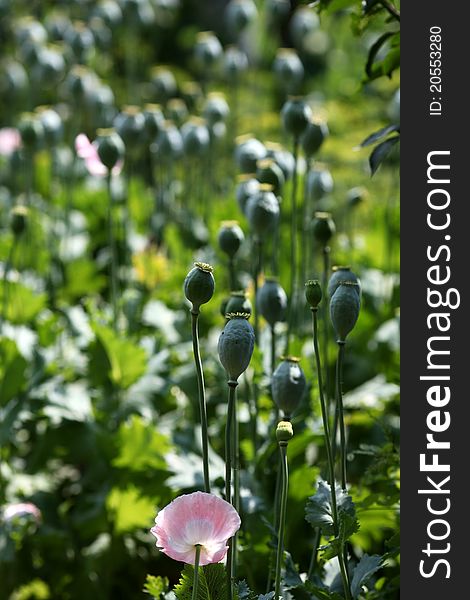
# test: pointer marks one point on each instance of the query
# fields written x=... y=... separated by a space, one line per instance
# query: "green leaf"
x=23 y=304
x=212 y=583
x=291 y=576
x=319 y=512
x=12 y=371
x=321 y=593
x=141 y=446
x=128 y=361
x=377 y=135
x=156 y=586
x=381 y=152
x=366 y=567
x=373 y=51
x=131 y=510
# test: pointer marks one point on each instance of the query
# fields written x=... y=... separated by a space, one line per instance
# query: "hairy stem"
x=196 y=572
x=339 y=401
x=282 y=517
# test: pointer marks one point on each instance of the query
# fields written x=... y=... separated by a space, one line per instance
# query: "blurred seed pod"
x=235 y=63
x=341 y=273
x=247 y=186
x=295 y=116
x=239 y=14
x=207 y=50
x=163 y=84
x=268 y=171
x=27 y=29
x=288 y=385
x=217 y=132
x=110 y=12
x=154 y=119
x=79 y=83
x=80 y=39
x=191 y=93
x=323 y=227
x=216 y=108
x=313 y=137
x=345 y=305
x=31 y=131
x=196 y=138
x=49 y=67
x=230 y=237
x=277 y=10
x=313 y=293
x=137 y=14
x=262 y=211
x=272 y=301
x=248 y=151
x=111 y=148
x=236 y=345
x=288 y=69
x=284 y=432
x=283 y=158
x=102 y=34
x=100 y=103
x=319 y=183
x=238 y=303
x=169 y=142
x=303 y=22
x=177 y=111
x=356 y=196
x=19 y=219
x=199 y=285
x=52 y=125
x=13 y=80
x=130 y=124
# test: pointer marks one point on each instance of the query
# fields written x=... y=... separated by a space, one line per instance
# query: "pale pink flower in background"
x=10 y=140
x=21 y=509
x=89 y=153
x=193 y=519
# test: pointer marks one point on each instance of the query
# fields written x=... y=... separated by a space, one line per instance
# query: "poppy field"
x=199 y=300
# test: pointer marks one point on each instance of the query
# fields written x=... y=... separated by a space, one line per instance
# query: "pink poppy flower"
x=21 y=509
x=88 y=152
x=10 y=140
x=192 y=519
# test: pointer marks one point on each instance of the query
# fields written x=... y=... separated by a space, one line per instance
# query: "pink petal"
x=83 y=146
x=10 y=140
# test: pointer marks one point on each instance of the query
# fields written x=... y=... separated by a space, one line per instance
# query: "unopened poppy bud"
x=19 y=220
x=288 y=385
x=323 y=227
x=262 y=211
x=272 y=301
x=313 y=137
x=236 y=344
x=110 y=147
x=313 y=293
x=231 y=237
x=199 y=285
x=341 y=273
x=238 y=302
x=295 y=115
x=268 y=171
x=344 y=309
x=284 y=432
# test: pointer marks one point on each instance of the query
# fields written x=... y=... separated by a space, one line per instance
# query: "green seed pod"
x=236 y=344
x=288 y=385
x=345 y=305
x=230 y=237
x=239 y=14
x=319 y=183
x=31 y=131
x=262 y=211
x=288 y=69
x=169 y=142
x=238 y=303
x=272 y=301
x=313 y=293
x=110 y=147
x=283 y=158
x=341 y=273
x=295 y=115
x=356 y=196
x=191 y=93
x=247 y=186
x=51 y=123
x=18 y=220
x=235 y=63
x=216 y=109
x=177 y=111
x=199 y=285
x=323 y=227
x=163 y=84
x=313 y=137
x=196 y=138
x=284 y=432
x=154 y=118
x=248 y=151
x=269 y=172
x=129 y=124
x=207 y=50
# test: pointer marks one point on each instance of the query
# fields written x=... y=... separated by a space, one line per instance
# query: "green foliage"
x=156 y=586
x=212 y=583
x=364 y=569
x=319 y=512
x=141 y=446
x=12 y=371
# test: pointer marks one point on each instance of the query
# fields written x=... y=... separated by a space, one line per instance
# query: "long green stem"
x=232 y=386
x=293 y=247
x=339 y=402
x=236 y=479
x=6 y=270
x=282 y=518
x=202 y=399
x=196 y=571
x=324 y=314
x=112 y=250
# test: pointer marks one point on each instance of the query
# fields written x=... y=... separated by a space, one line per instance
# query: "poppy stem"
x=340 y=412
x=232 y=387
x=196 y=571
x=282 y=517
x=112 y=251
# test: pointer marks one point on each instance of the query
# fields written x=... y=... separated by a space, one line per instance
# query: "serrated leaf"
x=366 y=567
x=267 y=596
x=377 y=135
x=156 y=586
x=212 y=583
x=244 y=592
x=291 y=576
x=381 y=152
x=319 y=511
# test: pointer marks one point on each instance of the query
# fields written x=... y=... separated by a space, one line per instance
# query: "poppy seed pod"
x=341 y=273
x=282 y=157
x=163 y=84
x=238 y=303
x=31 y=130
x=196 y=138
x=269 y=172
x=345 y=305
x=216 y=108
x=199 y=285
x=236 y=344
x=319 y=183
x=110 y=147
x=284 y=432
x=169 y=142
x=235 y=62
x=239 y=14
x=18 y=220
x=356 y=196
x=230 y=237
x=129 y=124
x=247 y=186
x=177 y=111
x=52 y=125
x=323 y=227
x=248 y=152
x=288 y=385
x=272 y=301
x=313 y=137
x=262 y=211
x=313 y=293
x=154 y=118
x=207 y=50
x=277 y=9
x=303 y=22
x=288 y=68
x=295 y=115
x=191 y=93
